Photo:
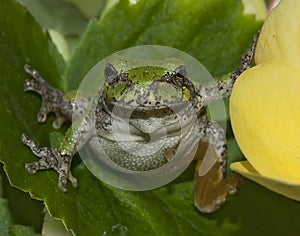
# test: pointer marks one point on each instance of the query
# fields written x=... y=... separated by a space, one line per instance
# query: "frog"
x=142 y=91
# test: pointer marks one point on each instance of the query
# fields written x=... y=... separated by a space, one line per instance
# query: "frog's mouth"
x=158 y=110
x=178 y=117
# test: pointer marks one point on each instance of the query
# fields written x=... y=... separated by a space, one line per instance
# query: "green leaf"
x=22 y=42
x=109 y=211
x=63 y=19
x=7 y=224
x=54 y=227
x=216 y=32
x=92 y=8
x=213 y=31
x=23 y=209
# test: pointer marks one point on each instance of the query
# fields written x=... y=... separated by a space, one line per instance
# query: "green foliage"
x=7 y=223
x=206 y=30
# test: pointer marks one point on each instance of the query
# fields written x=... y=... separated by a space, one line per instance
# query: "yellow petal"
x=265 y=116
x=255 y=7
x=280 y=35
x=289 y=190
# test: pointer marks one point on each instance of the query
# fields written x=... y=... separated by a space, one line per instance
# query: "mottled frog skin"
x=150 y=94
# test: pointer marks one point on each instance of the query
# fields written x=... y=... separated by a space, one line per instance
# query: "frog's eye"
x=110 y=73
x=181 y=70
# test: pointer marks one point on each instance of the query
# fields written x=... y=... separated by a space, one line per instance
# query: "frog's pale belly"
x=146 y=154
x=137 y=156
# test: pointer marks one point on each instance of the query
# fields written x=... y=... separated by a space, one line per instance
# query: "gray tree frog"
x=149 y=91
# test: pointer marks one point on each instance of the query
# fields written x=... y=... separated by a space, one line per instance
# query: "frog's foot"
x=50 y=158
x=212 y=186
x=211 y=192
x=51 y=98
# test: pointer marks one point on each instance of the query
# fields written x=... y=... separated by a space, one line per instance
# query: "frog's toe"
x=73 y=180
x=60 y=120
x=26 y=140
x=45 y=109
x=27 y=68
x=62 y=183
x=31 y=168
x=63 y=175
x=235 y=181
x=29 y=85
x=42 y=115
x=34 y=73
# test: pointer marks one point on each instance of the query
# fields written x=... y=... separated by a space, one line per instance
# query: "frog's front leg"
x=211 y=184
x=53 y=100
x=60 y=158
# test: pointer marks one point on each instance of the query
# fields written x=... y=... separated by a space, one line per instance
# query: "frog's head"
x=143 y=88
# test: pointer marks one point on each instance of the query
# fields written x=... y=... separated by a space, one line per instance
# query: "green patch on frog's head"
x=143 y=87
